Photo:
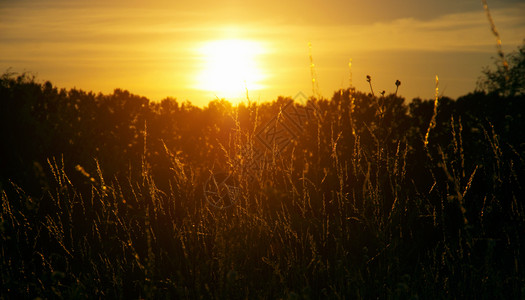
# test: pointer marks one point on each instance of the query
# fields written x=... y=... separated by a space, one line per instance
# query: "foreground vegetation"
x=358 y=196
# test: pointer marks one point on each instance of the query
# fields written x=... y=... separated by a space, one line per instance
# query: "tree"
x=509 y=77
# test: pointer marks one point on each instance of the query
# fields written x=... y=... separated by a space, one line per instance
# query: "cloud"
x=459 y=32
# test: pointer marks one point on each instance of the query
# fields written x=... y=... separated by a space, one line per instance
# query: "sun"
x=230 y=67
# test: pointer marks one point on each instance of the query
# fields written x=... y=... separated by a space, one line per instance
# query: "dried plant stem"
x=496 y=34
x=315 y=85
x=433 y=120
x=350 y=75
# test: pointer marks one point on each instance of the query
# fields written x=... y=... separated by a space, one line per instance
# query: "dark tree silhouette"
x=507 y=81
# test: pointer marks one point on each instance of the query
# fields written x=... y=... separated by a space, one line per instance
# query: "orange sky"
x=162 y=48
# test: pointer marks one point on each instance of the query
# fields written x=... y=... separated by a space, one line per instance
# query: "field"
x=357 y=196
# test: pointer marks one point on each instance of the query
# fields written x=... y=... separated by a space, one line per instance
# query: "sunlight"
x=229 y=67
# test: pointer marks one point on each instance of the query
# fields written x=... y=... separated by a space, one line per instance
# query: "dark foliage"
x=508 y=79
x=104 y=196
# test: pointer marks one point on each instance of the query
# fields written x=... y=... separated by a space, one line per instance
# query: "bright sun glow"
x=229 y=67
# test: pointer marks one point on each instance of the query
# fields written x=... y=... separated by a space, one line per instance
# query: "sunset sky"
x=205 y=49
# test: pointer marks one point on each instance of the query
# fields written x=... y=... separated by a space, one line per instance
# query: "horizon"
x=199 y=55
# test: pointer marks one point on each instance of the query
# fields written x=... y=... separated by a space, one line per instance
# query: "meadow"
x=356 y=196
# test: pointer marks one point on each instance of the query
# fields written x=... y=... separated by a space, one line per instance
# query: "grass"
x=358 y=205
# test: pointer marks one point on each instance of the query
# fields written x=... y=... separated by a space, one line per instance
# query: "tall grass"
x=351 y=217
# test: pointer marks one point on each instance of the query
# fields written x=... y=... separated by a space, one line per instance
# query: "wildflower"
x=398 y=83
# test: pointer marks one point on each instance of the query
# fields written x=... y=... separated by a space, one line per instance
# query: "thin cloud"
x=465 y=32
